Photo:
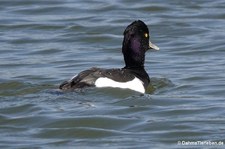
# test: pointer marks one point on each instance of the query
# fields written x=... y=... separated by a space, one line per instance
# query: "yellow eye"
x=146 y=35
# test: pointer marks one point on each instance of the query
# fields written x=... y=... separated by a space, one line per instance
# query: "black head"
x=135 y=44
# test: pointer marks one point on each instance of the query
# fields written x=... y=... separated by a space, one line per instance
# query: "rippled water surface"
x=46 y=42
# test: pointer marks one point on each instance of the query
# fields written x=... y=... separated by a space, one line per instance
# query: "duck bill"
x=152 y=46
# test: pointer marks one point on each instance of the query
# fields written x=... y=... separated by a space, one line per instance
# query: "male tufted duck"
x=133 y=76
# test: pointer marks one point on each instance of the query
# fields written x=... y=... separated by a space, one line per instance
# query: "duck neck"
x=134 y=55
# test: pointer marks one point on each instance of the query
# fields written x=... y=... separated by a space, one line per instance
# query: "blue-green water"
x=44 y=43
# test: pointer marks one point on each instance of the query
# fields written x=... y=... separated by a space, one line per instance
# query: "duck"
x=132 y=76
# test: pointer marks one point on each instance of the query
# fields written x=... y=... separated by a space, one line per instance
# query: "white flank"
x=135 y=84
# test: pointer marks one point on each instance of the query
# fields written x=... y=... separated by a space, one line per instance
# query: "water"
x=46 y=42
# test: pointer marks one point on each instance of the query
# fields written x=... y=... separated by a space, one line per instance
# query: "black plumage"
x=135 y=44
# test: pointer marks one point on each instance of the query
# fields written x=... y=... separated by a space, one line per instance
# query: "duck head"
x=135 y=43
